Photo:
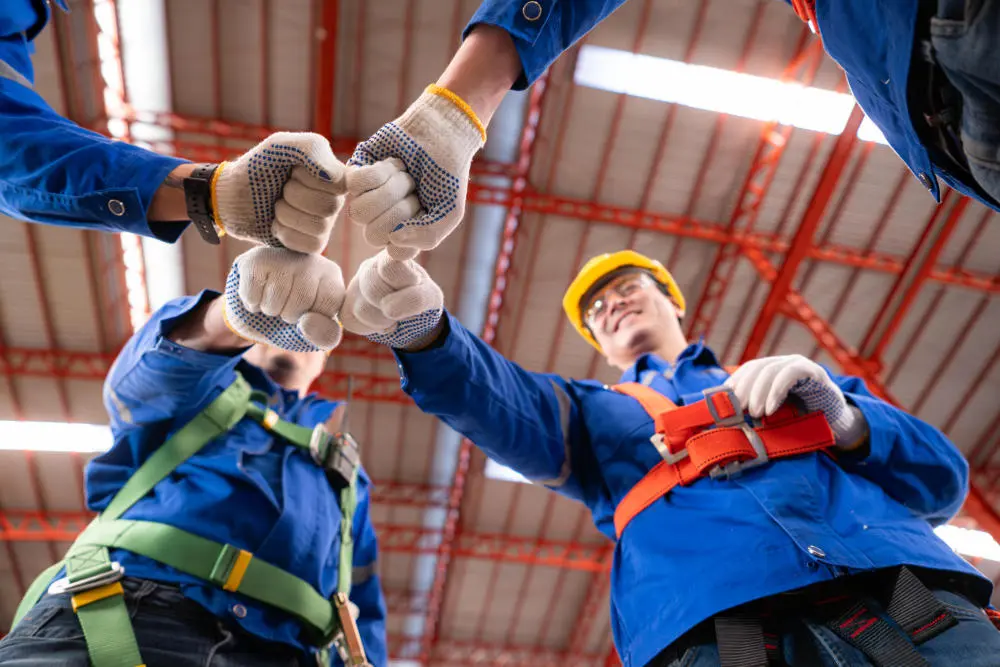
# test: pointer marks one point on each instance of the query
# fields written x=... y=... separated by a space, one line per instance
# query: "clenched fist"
x=286 y=299
x=392 y=302
x=285 y=191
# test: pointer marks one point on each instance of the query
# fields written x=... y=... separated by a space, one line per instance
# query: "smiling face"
x=629 y=315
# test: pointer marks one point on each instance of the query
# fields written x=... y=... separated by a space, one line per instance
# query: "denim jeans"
x=973 y=642
x=966 y=39
x=172 y=631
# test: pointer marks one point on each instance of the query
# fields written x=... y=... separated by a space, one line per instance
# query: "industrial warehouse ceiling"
x=882 y=283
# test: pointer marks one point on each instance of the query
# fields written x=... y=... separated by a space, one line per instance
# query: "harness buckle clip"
x=661 y=446
x=735 y=419
x=338 y=454
x=115 y=573
x=734 y=468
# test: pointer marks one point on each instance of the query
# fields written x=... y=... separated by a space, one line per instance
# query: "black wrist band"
x=198 y=198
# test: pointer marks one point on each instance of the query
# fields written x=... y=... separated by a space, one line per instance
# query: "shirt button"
x=116 y=207
x=925 y=180
x=532 y=10
x=239 y=611
x=816 y=552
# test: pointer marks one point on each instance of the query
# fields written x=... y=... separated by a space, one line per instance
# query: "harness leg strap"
x=99 y=602
x=862 y=627
x=105 y=621
x=741 y=641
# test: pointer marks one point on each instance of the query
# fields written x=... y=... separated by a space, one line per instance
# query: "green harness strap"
x=95 y=580
x=303 y=437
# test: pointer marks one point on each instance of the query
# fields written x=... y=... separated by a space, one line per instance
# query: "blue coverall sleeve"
x=908 y=458
x=57 y=173
x=530 y=422
x=366 y=587
x=542 y=29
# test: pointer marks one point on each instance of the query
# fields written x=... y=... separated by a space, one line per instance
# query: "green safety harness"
x=94 y=580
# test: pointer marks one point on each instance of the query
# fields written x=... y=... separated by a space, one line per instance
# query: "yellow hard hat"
x=599 y=267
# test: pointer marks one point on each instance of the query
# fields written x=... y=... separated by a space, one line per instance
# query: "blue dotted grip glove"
x=762 y=385
x=392 y=302
x=286 y=191
x=432 y=144
x=286 y=299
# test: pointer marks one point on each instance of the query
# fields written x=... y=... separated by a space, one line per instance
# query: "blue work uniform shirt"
x=716 y=543
x=246 y=488
x=871 y=41
x=53 y=171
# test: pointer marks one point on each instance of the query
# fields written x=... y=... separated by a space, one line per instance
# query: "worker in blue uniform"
x=924 y=71
x=282 y=192
x=761 y=515
x=236 y=552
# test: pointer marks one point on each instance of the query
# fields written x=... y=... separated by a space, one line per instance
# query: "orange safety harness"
x=712 y=438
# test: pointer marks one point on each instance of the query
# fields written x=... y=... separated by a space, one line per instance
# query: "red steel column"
x=758 y=181
x=803 y=239
x=326 y=69
x=915 y=273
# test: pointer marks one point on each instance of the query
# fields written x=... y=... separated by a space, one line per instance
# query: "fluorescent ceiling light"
x=54 y=437
x=971 y=543
x=719 y=90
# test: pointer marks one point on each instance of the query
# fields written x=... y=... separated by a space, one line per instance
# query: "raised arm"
x=55 y=172
x=528 y=421
x=507 y=44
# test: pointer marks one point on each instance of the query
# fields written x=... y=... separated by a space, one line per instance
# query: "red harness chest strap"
x=692 y=448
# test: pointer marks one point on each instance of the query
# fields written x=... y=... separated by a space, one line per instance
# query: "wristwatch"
x=198 y=198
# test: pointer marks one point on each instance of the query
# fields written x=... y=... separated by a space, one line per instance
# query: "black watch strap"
x=198 y=198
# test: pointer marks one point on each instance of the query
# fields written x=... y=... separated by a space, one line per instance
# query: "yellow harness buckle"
x=235 y=577
x=96 y=594
x=270 y=419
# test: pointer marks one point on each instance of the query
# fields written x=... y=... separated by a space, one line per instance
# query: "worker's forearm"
x=483 y=70
x=168 y=202
x=205 y=329
x=428 y=340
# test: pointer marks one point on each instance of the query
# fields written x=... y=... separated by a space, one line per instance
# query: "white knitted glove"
x=285 y=191
x=435 y=139
x=285 y=299
x=392 y=302
x=762 y=385
x=381 y=209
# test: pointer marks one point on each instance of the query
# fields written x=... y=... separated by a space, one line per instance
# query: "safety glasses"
x=622 y=287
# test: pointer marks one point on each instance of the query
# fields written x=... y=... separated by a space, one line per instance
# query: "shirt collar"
x=697 y=353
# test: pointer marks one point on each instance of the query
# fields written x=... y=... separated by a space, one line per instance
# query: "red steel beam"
x=873 y=240
x=911 y=343
x=326 y=69
x=714 y=232
x=795 y=306
x=803 y=238
x=911 y=280
x=763 y=168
